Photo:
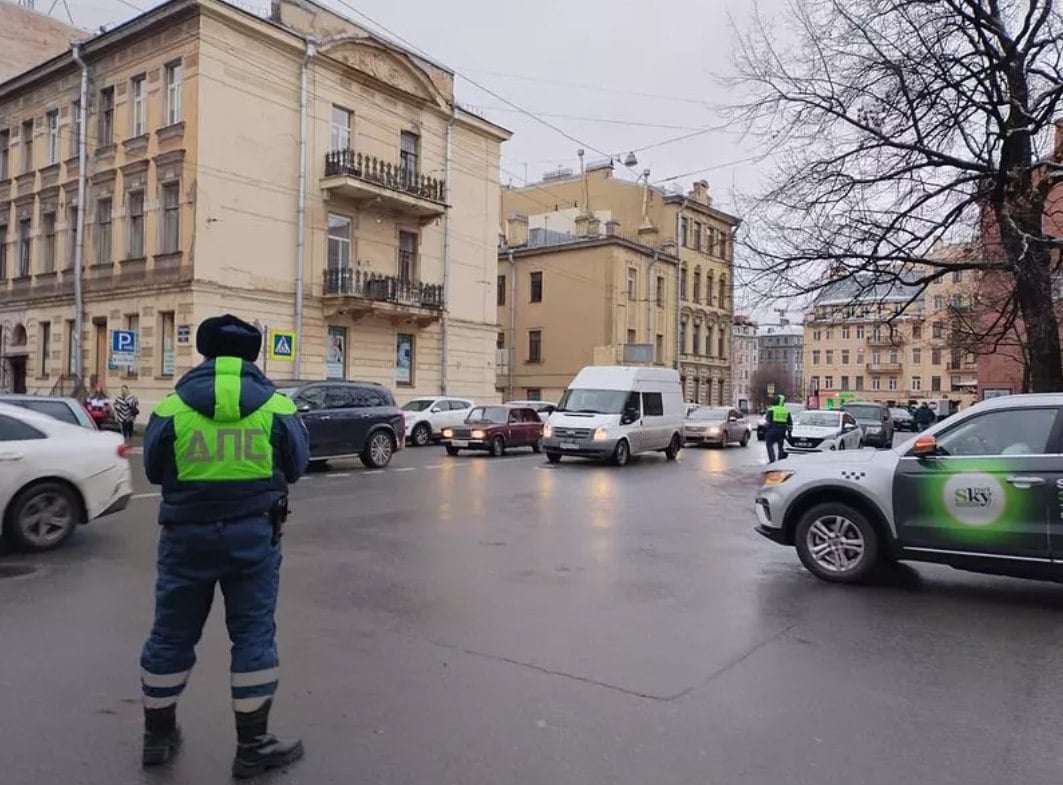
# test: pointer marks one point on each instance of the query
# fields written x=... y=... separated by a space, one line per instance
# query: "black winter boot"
x=257 y=749
x=162 y=737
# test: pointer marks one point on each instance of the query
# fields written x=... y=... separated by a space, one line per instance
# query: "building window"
x=683 y=232
x=957 y=276
x=845 y=331
x=75 y=129
x=103 y=231
x=404 y=359
x=917 y=383
x=632 y=283
x=173 y=92
x=27 y=146
x=171 y=218
x=132 y=323
x=533 y=393
x=658 y=348
x=845 y=356
x=45 y=334
x=697 y=236
x=166 y=323
x=697 y=285
x=48 y=235
x=3 y=253
x=815 y=356
x=342 y=122
x=939 y=302
x=917 y=356
x=860 y=332
x=845 y=383
x=409 y=147
x=858 y=383
x=660 y=291
x=935 y=357
x=876 y=383
x=71 y=348
x=828 y=382
x=72 y=234
x=935 y=384
x=917 y=331
x=135 y=218
x=722 y=301
x=893 y=356
x=25 y=244
x=876 y=358
x=536 y=287
x=721 y=344
x=500 y=340
x=52 y=124
x=708 y=340
x=955 y=358
x=105 y=121
x=682 y=282
x=816 y=335
x=892 y=382
x=830 y=334
x=631 y=336
x=501 y=296
x=408 y=256
x=138 y=107
x=5 y=153
x=829 y=355
x=535 y=346
x=339 y=242
x=696 y=338
x=683 y=338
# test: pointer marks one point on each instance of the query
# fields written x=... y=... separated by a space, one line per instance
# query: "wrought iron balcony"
x=362 y=178
x=885 y=340
x=348 y=290
x=885 y=367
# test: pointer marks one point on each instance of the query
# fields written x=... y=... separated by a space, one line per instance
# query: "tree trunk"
x=1042 y=333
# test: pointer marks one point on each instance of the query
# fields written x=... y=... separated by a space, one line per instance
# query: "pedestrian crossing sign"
x=282 y=346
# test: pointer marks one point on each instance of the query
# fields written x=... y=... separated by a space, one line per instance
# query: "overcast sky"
x=650 y=71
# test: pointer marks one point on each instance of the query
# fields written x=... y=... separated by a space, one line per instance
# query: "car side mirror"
x=925 y=447
x=629 y=416
x=436 y=410
x=303 y=407
x=732 y=419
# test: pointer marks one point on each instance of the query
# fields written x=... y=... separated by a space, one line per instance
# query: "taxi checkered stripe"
x=853 y=475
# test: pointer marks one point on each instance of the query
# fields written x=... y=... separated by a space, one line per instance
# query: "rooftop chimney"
x=594 y=226
x=700 y=194
x=582 y=222
x=612 y=227
x=516 y=230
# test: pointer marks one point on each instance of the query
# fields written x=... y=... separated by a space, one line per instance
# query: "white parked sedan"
x=54 y=476
x=427 y=417
x=818 y=430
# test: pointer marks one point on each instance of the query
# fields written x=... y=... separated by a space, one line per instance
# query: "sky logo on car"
x=974 y=499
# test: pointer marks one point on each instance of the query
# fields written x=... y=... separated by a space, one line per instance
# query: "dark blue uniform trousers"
x=775 y=436
x=194 y=557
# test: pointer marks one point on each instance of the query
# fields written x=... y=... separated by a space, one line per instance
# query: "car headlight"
x=548 y=431
x=478 y=434
x=777 y=477
x=447 y=433
x=601 y=434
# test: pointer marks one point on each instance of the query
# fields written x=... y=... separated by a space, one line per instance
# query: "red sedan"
x=495 y=429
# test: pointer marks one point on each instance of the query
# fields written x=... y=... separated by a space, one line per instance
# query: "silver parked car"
x=67 y=410
x=719 y=425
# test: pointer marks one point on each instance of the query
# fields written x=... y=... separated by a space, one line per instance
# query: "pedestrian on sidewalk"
x=126 y=411
x=224 y=446
x=924 y=416
x=780 y=425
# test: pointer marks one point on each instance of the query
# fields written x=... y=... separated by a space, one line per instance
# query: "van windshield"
x=865 y=413
x=593 y=401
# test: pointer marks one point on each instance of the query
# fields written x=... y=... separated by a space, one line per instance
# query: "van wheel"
x=673 y=449
x=421 y=435
x=745 y=440
x=498 y=447
x=622 y=453
x=553 y=457
x=836 y=543
x=377 y=454
x=537 y=445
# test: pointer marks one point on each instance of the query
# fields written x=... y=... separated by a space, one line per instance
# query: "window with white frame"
x=892 y=382
x=173 y=78
x=135 y=225
x=917 y=383
x=104 y=214
x=48 y=242
x=342 y=123
x=339 y=242
x=52 y=124
x=138 y=105
x=876 y=383
x=170 y=237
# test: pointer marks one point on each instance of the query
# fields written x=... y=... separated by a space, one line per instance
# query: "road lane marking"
x=406 y=469
x=340 y=474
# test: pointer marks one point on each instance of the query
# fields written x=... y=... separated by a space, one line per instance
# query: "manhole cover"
x=17 y=570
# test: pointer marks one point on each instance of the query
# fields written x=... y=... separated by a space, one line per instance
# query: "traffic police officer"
x=224 y=446
x=780 y=424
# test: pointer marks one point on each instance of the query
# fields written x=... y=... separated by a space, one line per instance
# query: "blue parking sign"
x=123 y=348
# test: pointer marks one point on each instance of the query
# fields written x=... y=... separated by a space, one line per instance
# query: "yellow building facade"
x=566 y=301
x=371 y=261
x=889 y=343
x=686 y=225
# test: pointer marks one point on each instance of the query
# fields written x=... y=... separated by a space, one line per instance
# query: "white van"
x=611 y=412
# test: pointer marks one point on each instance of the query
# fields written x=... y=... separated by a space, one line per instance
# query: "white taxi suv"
x=427 y=417
x=54 y=475
x=981 y=491
x=821 y=430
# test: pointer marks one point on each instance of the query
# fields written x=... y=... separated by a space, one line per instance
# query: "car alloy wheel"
x=378 y=452
x=498 y=447
x=43 y=517
x=422 y=434
x=836 y=543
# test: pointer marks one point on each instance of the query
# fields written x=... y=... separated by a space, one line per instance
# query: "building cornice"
x=583 y=243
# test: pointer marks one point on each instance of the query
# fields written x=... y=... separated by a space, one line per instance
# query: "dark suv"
x=875 y=420
x=348 y=419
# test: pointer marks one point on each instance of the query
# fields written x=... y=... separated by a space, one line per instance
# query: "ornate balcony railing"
x=394 y=176
x=348 y=282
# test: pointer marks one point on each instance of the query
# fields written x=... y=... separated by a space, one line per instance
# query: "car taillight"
x=123 y=450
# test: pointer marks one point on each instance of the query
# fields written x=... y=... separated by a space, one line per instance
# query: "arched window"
x=708 y=340
x=710 y=280
x=722 y=301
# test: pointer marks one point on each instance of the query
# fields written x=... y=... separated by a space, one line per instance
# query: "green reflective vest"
x=778 y=414
x=225 y=447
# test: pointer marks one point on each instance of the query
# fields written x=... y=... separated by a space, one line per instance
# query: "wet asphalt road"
x=475 y=621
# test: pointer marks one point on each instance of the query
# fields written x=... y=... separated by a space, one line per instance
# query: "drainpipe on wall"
x=300 y=213
x=678 y=289
x=444 y=342
x=651 y=302
x=79 y=236
x=512 y=322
